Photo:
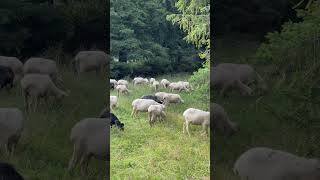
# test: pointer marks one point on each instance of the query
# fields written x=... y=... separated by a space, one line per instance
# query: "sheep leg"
x=204 y=127
x=183 y=127
x=84 y=164
x=187 y=127
x=74 y=159
x=132 y=112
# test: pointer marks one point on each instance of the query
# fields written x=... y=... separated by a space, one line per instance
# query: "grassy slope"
x=257 y=127
x=45 y=149
x=161 y=152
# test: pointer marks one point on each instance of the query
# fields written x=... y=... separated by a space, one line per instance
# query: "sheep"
x=113 y=83
x=8 y=172
x=155 y=85
x=155 y=98
x=160 y=95
x=140 y=81
x=142 y=105
x=221 y=120
x=172 y=98
x=11 y=127
x=6 y=77
x=122 y=89
x=113 y=102
x=156 y=111
x=41 y=66
x=123 y=82
x=262 y=163
x=86 y=61
x=90 y=139
x=39 y=86
x=15 y=64
x=186 y=85
x=223 y=79
x=196 y=117
x=151 y=80
x=245 y=73
x=114 y=120
x=164 y=83
x=177 y=86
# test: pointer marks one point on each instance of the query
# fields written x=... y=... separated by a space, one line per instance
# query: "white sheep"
x=11 y=127
x=36 y=65
x=142 y=105
x=89 y=139
x=113 y=83
x=186 y=85
x=123 y=82
x=155 y=85
x=122 y=89
x=196 y=117
x=179 y=86
x=172 y=98
x=161 y=95
x=113 y=102
x=151 y=80
x=140 y=81
x=15 y=64
x=156 y=112
x=164 y=83
x=221 y=120
x=86 y=61
x=39 y=86
x=261 y=163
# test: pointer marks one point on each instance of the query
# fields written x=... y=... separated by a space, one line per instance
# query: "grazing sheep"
x=160 y=95
x=41 y=66
x=261 y=163
x=186 y=85
x=155 y=85
x=156 y=112
x=89 y=139
x=164 y=83
x=196 y=117
x=155 y=98
x=39 y=86
x=221 y=120
x=123 y=82
x=222 y=80
x=245 y=73
x=114 y=120
x=11 y=127
x=6 y=77
x=122 y=89
x=113 y=102
x=87 y=61
x=172 y=98
x=151 y=80
x=141 y=81
x=177 y=86
x=15 y=64
x=8 y=172
x=113 y=83
x=142 y=105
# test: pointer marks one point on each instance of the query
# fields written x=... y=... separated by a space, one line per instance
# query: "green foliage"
x=201 y=80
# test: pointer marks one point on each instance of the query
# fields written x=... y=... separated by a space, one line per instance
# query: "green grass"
x=45 y=149
x=160 y=152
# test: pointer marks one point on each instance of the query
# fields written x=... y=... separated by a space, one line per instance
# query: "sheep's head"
x=120 y=126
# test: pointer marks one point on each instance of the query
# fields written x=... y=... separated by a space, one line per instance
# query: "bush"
x=201 y=82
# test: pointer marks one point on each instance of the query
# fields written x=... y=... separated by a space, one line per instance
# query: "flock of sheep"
x=40 y=79
x=258 y=163
x=155 y=104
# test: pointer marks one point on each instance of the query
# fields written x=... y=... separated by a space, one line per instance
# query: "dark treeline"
x=33 y=27
x=145 y=43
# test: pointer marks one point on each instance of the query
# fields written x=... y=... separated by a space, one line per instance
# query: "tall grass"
x=160 y=152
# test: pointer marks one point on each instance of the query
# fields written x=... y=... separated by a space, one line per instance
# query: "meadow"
x=45 y=148
x=163 y=151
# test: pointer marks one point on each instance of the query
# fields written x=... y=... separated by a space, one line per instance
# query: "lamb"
x=155 y=98
x=164 y=83
x=156 y=112
x=41 y=66
x=224 y=79
x=177 y=86
x=123 y=82
x=155 y=85
x=245 y=73
x=114 y=120
x=196 y=117
x=6 y=77
x=221 y=120
x=122 y=89
x=87 y=61
x=15 y=64
x=113 y=102
x=39 y=86
x=11 y=127
x=160 y=95
x=262 y=163
x=90 y=139
x=172 y=98
x=142 y=105
x=113 y=83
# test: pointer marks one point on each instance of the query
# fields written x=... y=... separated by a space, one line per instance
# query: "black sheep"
x=6 y=77
x=8 y=172
x=155 y=98
x=114 y=120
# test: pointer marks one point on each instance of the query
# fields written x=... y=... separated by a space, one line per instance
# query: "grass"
x=257 y=126
x=160 y=152
x=45 y=149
